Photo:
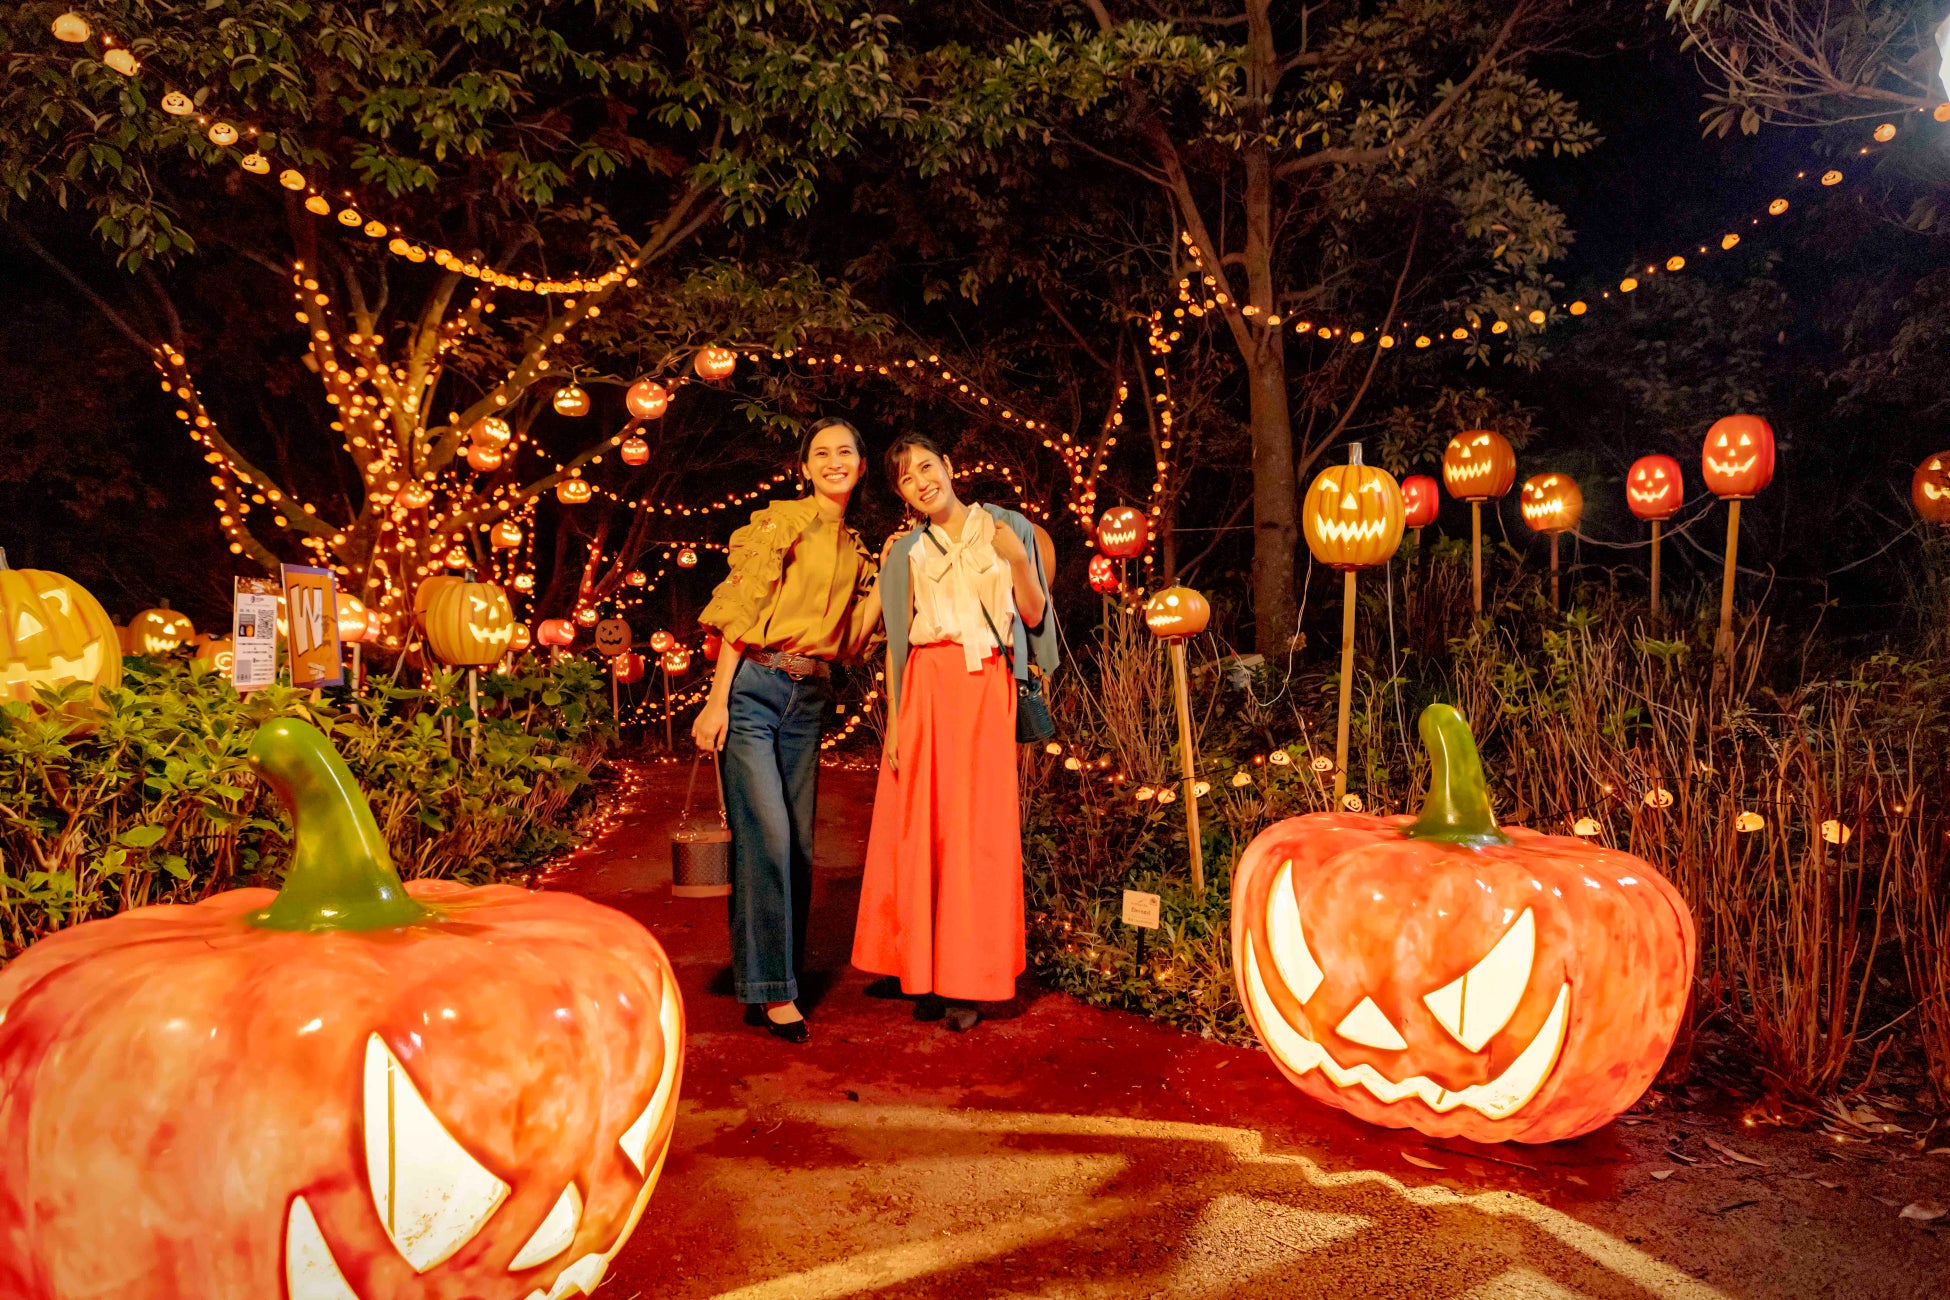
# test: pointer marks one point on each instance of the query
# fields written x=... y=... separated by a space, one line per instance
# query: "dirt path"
x=1087 y=1154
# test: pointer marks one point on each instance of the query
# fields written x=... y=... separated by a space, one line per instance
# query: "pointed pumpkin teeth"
x=555 y=1235
x=310 y=1272
x=431 y=1195
x=1335 y=530
x=636 y=1139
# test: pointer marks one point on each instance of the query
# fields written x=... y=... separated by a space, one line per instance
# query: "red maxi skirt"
x=941 y=900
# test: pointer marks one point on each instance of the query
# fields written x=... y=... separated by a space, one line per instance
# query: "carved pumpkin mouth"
x=433 y=1196
x=1932 y=492
x=1503 y=976
x=1475 y=469
x=1345 y=531
x=1653 y=497
x=1732 y=466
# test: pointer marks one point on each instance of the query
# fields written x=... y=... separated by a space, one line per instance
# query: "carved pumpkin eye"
x=1936 y=463
x=1370 y=1026
x=1291 y=956
x=431 y=1195
x=1746 y=441
x=1372 y=485
x=1475 y=1007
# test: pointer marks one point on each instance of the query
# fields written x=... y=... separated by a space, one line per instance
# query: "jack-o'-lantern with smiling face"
x=351 y=1089
x=1123 y=533
x=1444 y=974
x=1551 y=503
x=1478 y=464
x=1654 y=488
x=1352 y=516
x=1738 y=456
x=1929 y=489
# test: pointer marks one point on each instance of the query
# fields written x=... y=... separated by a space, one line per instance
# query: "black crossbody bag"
x=1034 y=723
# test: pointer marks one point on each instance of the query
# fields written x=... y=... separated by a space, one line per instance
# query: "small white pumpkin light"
x=1586 y=827
x=1749 y=822
x=177 y=104
x=72 y=28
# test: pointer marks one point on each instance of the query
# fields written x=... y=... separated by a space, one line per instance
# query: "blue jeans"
x=771 y=786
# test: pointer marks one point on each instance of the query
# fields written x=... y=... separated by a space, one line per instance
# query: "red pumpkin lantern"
x=713 y=643
x=647 y=399
x=1103 y=574
x=1654 y=488
x=627 y=667
x=1551 y=503
x=556 y=632
x=714 y=362
x=1478 y=464
x=573 y=491
x=1123 y=533
x=484 y=459
x=1442 y=974
x=634 y=450
x=662 y=641
x=635 y=577
x=1738 y=456
x=345 y=1088
x=1929 y=489
x=1421 y=501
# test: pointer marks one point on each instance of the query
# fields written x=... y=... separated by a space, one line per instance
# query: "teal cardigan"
x=896 y=608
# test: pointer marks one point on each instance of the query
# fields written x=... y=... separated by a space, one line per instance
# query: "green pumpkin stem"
x=1457 y=810
x=341 y=877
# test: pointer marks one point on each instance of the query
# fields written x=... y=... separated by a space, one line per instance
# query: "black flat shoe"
x=794 y=1032
x=928 y=1007
x=887 y=986
x=961 y=1017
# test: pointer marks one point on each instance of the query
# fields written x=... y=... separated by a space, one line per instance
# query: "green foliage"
x=153 y=799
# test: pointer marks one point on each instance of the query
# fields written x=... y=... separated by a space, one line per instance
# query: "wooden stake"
x=615 y=709
x=473 y=713
x=1655 y=570
x=1188 y=761
x=1476 y=554
x=1347 y=685
x=670 y=744
x=1723 y=643
x=1554 y=603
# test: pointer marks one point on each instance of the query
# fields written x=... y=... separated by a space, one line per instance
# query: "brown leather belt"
x=797 y=667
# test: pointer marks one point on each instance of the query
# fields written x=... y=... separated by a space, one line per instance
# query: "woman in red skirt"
x=941 y=911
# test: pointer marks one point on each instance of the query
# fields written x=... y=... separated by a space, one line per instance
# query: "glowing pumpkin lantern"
x=647 y=399
x=416 y=496
x=1654 y=489
x=417 y=1114
x=1103 y=574
x=572 y=401
x=713 y=643
x=484 y=459
x=159 y=631
x=1352 y=516
x=1176 y=613
x=627 y=667
x=490 y=431
x=505 y=536
x=521 y=640
x=677 y=660
x=636 y=577
x=714 y=362
x=1421 y=501
x=634 y=450
x=587 y=617
x=573 y=491
x=1478 y=465
x=687 y=558
x=1443 y=974
x=53 y=632
x=469 y=624
x=220 y=653
x=1929 y=489
x=1123 y=533
x=1738 y=456
x=354 y=619
x=556 y=632
x=661 y=641
x=1552 y=503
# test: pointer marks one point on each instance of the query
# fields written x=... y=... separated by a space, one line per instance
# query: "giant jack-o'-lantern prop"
x=160 y=631
x=1478 y=464
x=348 y=1089
x=1654 y=488
x=1551 y=503
x=647 y=399
x=53 y=632
x=1123 y=533
x=1442 y=974
x=1738 y=456
x=1929 y=489
x=1421 y=501
x=468 y=624
x=1352 y=516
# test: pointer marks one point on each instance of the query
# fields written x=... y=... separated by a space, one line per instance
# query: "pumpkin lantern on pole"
x=407 y=1097
x=159 y=631
x=1352 y=516
x=1445 y=974
x=1477 y=466
x=1929 y=489
x=469 y=624
x=1421 y=502
x=53 y=632
x=1654 y=491
x=1552 y=504
x=1738 y=461
x=558 y=633
x=1123 y=533
x=1172 y=615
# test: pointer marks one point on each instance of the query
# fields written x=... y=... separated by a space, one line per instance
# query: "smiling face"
x=1654 y=488
x=833 y=463
x=1929 y=489
x=1525 y=992
x=1738 y=456
x=1478 y=465
x=1552 y=503
x=926 y=482
x=1352 y=516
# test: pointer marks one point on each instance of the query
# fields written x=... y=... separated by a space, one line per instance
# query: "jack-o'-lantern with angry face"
x=1929 y=489
x=1551 y=503
x=1654 y=488
x=1123 y=533
x=347 y=1090
x=1738 y=456
x=1443 y=974
x=1478 y=464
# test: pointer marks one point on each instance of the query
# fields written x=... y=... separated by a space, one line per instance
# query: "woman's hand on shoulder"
x=887 y=547
x=1009 y=546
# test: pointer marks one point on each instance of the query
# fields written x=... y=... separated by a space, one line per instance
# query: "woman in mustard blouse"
x=801 y=594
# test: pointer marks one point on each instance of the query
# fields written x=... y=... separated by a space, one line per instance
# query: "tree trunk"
x=1274 y=534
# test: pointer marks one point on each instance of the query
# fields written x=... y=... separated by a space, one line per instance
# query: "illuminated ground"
x=1085 y=1154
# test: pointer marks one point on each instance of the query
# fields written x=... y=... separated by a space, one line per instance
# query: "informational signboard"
x=254 y=634
x=311 y=603
x=1141 y=909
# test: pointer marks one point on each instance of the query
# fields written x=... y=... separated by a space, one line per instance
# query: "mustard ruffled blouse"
x=797 y=584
